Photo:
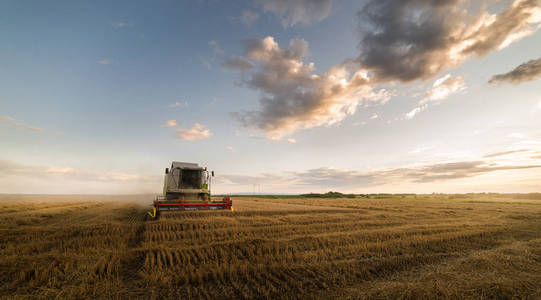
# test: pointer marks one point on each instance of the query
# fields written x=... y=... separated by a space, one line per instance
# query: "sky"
x=275 y=96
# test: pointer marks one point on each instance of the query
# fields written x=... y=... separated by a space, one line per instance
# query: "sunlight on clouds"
x=292 y=98
x=443 y=88
x=170 y=123
x=446 y=34
x=60 y=170
x=533 y=21
x=510 y=167
x=440 y=90
x=197 y=132
x=527 y=71
x=410 y=115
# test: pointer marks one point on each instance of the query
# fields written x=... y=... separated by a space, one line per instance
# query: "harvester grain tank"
x=186 y=186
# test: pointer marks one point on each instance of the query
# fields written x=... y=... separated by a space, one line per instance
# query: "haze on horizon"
x=293 y=96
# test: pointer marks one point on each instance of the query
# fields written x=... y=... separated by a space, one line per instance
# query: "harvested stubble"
x=275 y=248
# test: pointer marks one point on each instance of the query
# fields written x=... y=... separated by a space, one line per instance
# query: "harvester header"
x=186 y=186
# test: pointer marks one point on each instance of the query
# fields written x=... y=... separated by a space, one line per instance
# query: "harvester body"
x=187 y=187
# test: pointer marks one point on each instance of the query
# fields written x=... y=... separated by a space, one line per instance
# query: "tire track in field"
x=134 y=260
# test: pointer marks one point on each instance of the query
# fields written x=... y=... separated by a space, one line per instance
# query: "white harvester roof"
x=185 y=165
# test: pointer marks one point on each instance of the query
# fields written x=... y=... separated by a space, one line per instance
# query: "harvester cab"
x=186 y=186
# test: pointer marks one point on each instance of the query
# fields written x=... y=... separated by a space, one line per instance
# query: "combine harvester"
x=186 y=186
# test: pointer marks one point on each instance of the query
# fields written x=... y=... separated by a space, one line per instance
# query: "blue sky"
x=89 y=86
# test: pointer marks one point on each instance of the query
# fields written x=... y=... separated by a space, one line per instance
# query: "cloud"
x=452 y=170
x=121 y=25
x=359 y=123
x=248 y=17
x=250 y=135
x=170 y=123
x=33 y=128
x=497 y=154
x=216 y=52
x=238 y=63
x=515 y=135
x=197 y=132
x=332 y=178
x=527 y=71
x=293 y=98
x=105 y=61
x=263 y=179
x=408 y=40
x=421 y=149
x=412 y=113
x=11 y=168
x=443 y=88
x=16 y=177
x=21 y=178
x=6 y=118
x=178 y=104
x=14 y=123
x=205 y=62
x=440 y=90
x=456 y=171
x=292 y=12
x=216 y=49
x=401 y=40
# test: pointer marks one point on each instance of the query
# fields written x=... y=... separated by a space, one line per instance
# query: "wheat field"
x=300 y=248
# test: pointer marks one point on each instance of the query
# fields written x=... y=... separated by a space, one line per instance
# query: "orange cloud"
x=197 y=132
x=170 y=123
